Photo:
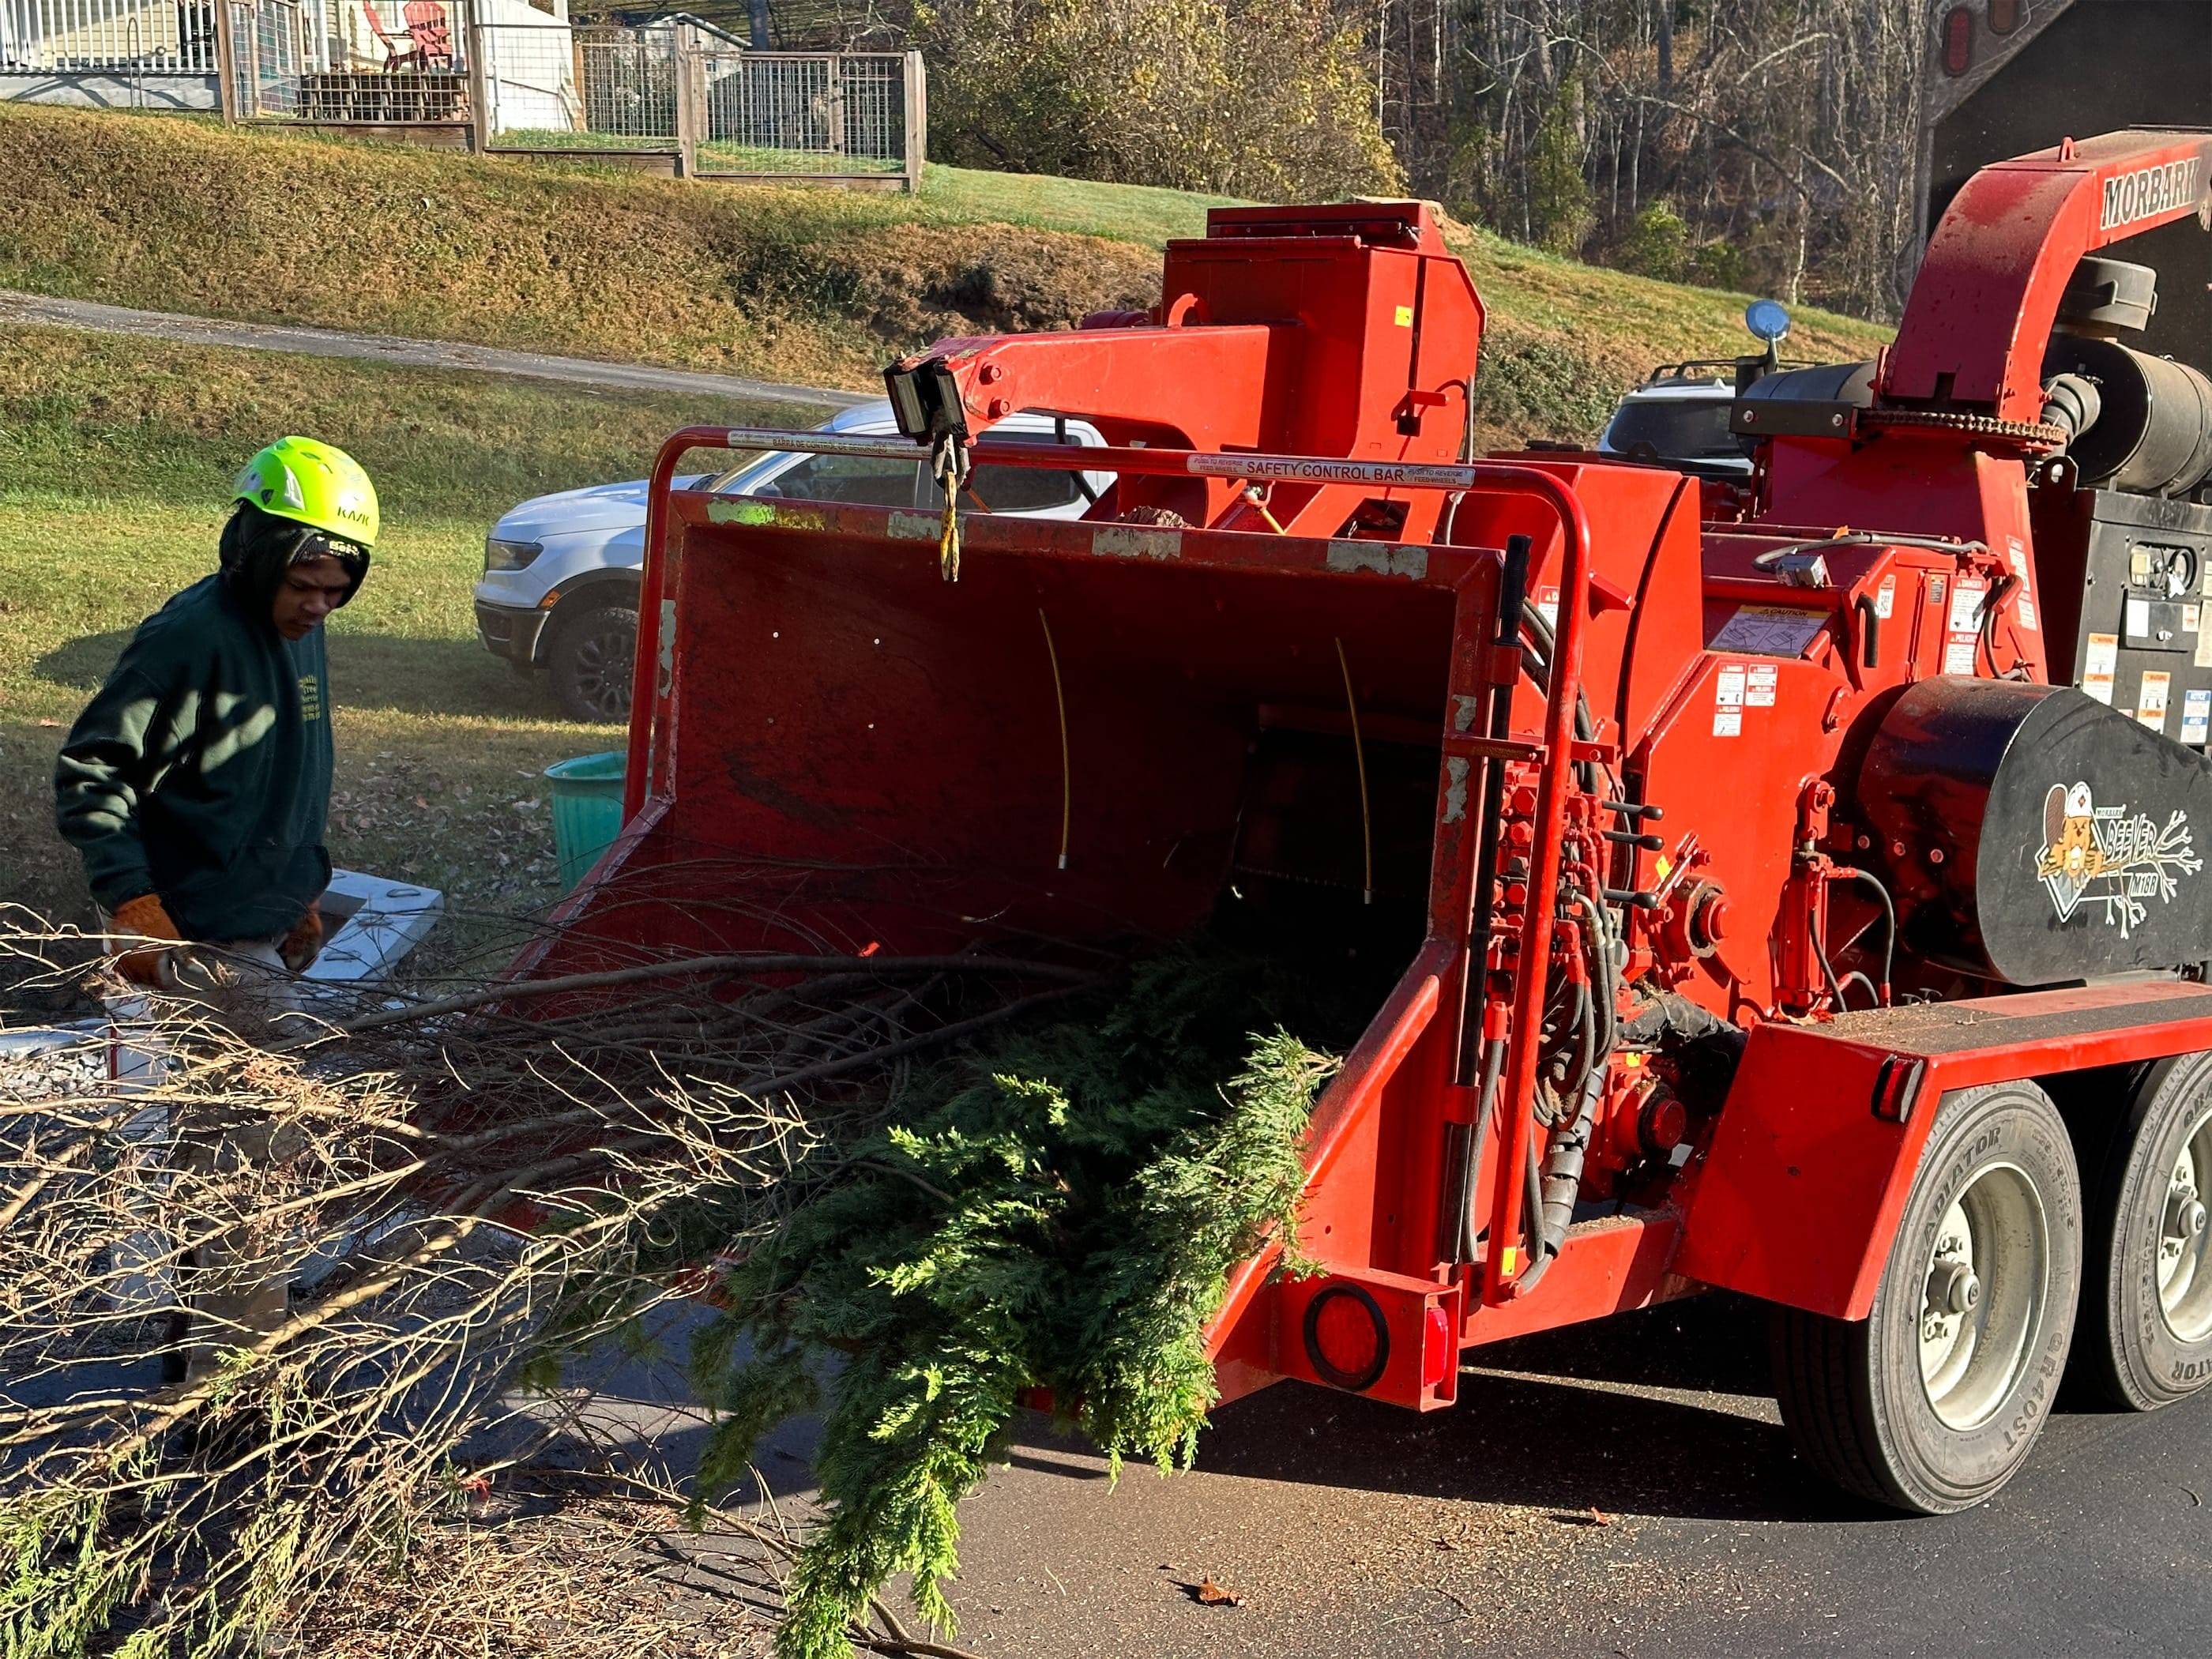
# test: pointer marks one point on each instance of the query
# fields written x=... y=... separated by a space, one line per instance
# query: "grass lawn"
x=723 y=156
x=116 y=457
x=583 y=142
x=1131 y=213
x=794 y=282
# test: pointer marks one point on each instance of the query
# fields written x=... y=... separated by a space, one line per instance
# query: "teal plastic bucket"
x=587 y=797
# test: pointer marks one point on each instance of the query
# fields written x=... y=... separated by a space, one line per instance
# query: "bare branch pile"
x=919 y=1189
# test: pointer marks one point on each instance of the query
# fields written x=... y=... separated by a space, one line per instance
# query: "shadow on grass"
x=370 y=673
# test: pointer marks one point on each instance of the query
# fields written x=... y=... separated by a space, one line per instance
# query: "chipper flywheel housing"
x=2032 y=835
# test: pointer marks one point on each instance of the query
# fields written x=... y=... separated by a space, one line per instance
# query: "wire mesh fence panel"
x=558 y=87
x=88 y=36
x=828 y=114
x=403 y=63
x=268 y=64
x=349 y=62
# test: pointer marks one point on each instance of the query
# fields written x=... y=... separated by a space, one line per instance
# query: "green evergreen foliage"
x=1560 y=202
x=1060 y=1212
x=1656 y=243
x=1720 y=264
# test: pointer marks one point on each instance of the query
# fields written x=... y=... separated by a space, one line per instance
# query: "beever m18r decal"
x=2111 y=859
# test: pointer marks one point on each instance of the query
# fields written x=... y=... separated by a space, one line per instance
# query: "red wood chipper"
x=1800 y=886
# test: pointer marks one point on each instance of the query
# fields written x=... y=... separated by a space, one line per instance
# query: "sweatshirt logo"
x=311 y=698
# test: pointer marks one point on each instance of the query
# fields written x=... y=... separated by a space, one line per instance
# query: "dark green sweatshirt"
x=202 y=771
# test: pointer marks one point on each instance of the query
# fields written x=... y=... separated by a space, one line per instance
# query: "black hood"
x=256 y=549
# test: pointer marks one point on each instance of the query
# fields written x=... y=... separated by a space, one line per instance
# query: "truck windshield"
x=1680 y=429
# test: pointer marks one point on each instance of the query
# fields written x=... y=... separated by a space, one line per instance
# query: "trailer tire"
x=2146 y=1332
x=1930 y=1410
x=590 y=650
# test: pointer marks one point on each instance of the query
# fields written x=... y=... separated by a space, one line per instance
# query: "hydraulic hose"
x=1553 y=1192
x=1606 y=992
x=1493 y=1063
x=1867 y=878
x=1553 y=1186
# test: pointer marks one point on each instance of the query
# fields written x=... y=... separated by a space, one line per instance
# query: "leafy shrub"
x=1656 y=244
x=1268 y=99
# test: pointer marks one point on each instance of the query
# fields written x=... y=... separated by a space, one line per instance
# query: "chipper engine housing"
x=1727 y=850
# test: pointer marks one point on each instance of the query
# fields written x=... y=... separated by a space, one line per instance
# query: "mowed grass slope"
x=793 y=284
x=116 y=458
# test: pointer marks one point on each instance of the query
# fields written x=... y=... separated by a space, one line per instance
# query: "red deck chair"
x=401 y=50
x=432 y=31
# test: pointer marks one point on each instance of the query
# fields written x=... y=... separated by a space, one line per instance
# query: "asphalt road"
x=1624 y=1490
x=1621 y=1491
x=17 y=307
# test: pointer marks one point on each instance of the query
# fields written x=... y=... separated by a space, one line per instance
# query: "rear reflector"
x=1347 y=1340
x=1437 y=1346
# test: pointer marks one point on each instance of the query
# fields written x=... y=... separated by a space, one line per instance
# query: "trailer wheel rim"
x=1985 y=1292
x=604 y=658
x=2185 y=1243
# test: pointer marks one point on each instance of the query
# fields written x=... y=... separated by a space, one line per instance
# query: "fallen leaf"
x=1212 y=1596
x=1447 y=1544
x=49 y=724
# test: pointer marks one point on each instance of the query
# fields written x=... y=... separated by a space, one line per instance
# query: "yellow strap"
x=947 y=465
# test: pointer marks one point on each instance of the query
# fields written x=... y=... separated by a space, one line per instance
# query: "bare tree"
x=1780 y=134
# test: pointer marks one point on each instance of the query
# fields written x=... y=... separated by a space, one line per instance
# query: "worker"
x=195 y=786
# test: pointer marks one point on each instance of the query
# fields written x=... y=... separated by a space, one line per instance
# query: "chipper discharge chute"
x=1758 y=912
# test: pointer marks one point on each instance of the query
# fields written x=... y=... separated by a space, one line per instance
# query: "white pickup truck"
x=560 y=573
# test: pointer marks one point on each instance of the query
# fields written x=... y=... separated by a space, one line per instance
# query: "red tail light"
x=1958 y=41
x=1347 y=1340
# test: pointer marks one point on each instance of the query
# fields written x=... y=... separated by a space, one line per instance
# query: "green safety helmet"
x=313 y=483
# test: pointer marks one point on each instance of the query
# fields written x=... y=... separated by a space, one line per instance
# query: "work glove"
x=147 y=964
x=304 y=942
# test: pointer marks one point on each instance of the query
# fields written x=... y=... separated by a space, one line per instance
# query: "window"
x=1688 y=430
x=858 y=480
x=1013 y=489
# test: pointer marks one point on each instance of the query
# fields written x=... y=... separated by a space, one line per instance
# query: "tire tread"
x=1825 y=1407
x=1829 y=1372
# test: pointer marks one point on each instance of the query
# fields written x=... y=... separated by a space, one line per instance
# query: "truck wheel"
x=1932 y=1402
x=2147 y=1293
x=591 y=654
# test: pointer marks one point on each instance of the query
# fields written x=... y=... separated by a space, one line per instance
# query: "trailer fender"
x=1798 y=1193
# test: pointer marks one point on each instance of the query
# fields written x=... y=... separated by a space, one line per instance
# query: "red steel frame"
x=1440 y=974
x=1795 y=1192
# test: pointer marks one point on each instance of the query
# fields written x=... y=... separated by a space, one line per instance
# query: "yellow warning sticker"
x=1405 y=316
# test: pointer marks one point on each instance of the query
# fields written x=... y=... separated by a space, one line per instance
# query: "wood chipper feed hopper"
x=1664 y=820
